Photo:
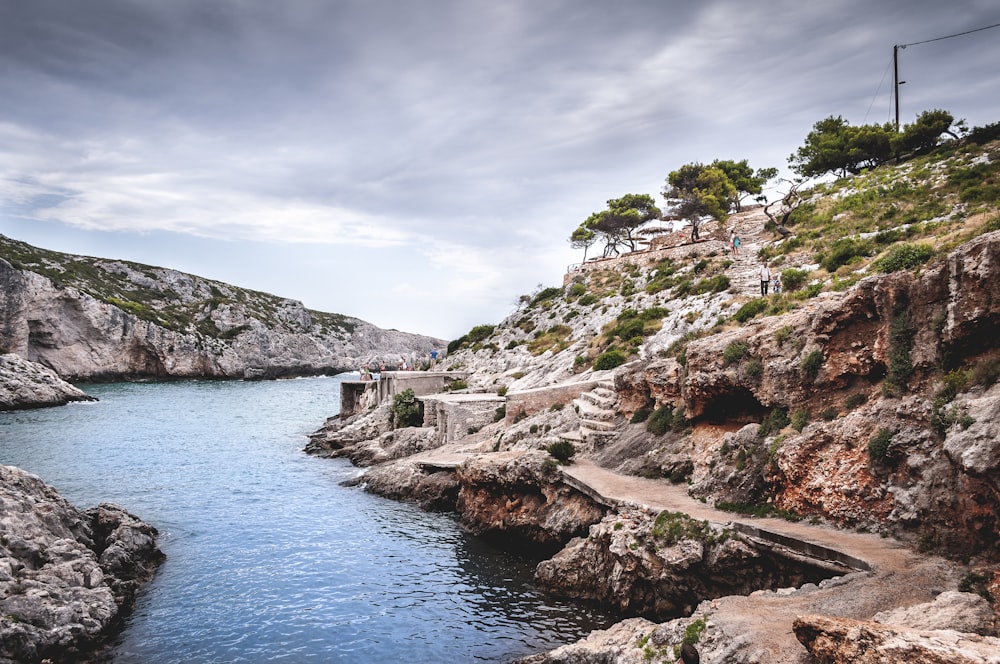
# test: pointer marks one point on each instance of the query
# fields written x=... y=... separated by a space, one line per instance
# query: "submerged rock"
x=67 y=576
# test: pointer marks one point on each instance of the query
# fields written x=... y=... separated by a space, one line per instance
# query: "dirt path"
x=898 y=577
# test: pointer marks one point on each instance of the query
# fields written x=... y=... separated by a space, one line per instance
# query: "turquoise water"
x=269 y=558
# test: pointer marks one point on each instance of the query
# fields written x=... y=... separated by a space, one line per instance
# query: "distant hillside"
x=93 y=318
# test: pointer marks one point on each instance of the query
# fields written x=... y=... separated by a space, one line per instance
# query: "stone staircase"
x=742 y=273
x=597 y=413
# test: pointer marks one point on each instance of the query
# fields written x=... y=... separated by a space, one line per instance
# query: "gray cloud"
x=493 y=128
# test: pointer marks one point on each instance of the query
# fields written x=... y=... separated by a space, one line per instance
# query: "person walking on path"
x=765 y=278
x=734 y=243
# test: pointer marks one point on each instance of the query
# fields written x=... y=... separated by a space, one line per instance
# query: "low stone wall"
x=528 y=402
x=357 y=396
x=391 y=383
x=457 y=415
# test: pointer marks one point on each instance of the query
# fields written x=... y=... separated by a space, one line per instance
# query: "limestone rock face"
x=637 y=563
x=958 y=611
x=160 y=323
x=828 y=361
x=514 y=496
x=846 y=641
x=26 y=384
x=67 y=577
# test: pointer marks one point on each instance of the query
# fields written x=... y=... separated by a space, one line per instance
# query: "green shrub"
x=751 y=309
x=829 y=413
x=812 y=290
x=562 y=451
x=734 y=352
x=640 y=416
x=546 y=294
x=502 y=391
x=878 y=446
x=716 y=284
x=576 y=290
x=609 y=359
x=904 y=257
x=513 y=344
x=406 y=409
x=811 y=364
x=843 y=251
x=500 y=413
x=986 y=372
x=754 y=367
x=856 y=399
x=782 y=334
x=792 y=279
x=799 y=419
x=587 y=300
x=773 y=422
x=901 y=334
x=665 y=419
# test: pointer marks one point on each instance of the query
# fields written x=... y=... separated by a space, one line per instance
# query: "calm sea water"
x=269 y=558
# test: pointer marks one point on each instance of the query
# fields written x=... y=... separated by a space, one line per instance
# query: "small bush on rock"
x=609 y=360
x=750 y=309
x=878 y=446
x=406 y=409
x=562 y=451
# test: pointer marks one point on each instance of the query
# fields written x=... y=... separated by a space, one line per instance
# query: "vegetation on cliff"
x=172 y=300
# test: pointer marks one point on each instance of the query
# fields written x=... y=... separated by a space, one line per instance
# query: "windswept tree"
x=583 y=238
x=835 y=146
x=925 y=133
x=696 y=192
x=617 y=224
x=783 y=209
x=747 y=181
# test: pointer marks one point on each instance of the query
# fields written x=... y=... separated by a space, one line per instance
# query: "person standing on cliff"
x=765 y=278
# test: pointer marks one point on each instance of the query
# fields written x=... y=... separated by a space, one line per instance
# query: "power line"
x=959 y=34
x=878 y=90
x=895 y=61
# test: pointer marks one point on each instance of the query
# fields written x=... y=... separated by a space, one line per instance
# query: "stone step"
x=597 y=438
x=572 y=436
x=591 y=411
x=601 y=400
x=597 y=425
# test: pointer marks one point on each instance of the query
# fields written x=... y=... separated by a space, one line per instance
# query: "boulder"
x=67 y=577
x=847 y=641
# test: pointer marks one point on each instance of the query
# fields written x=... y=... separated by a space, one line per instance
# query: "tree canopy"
x=835 y=146
x=744 y=178
x=696 y=191
x=616 y=225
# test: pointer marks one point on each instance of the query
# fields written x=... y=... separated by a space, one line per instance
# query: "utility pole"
x=895 y=78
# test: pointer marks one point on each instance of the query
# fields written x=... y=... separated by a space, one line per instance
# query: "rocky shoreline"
x=68 y=577
x=25 y=384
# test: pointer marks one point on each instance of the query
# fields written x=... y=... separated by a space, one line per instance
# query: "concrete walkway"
x=895 y=575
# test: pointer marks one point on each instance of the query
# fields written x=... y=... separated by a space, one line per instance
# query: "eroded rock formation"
x=26 y=384
x=67 y=577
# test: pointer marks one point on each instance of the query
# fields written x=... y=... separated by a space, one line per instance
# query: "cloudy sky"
x=420 y=164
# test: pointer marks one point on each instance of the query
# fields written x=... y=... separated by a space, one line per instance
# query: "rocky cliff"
x=95 y=319
x=863 y=399
x=67 y=577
